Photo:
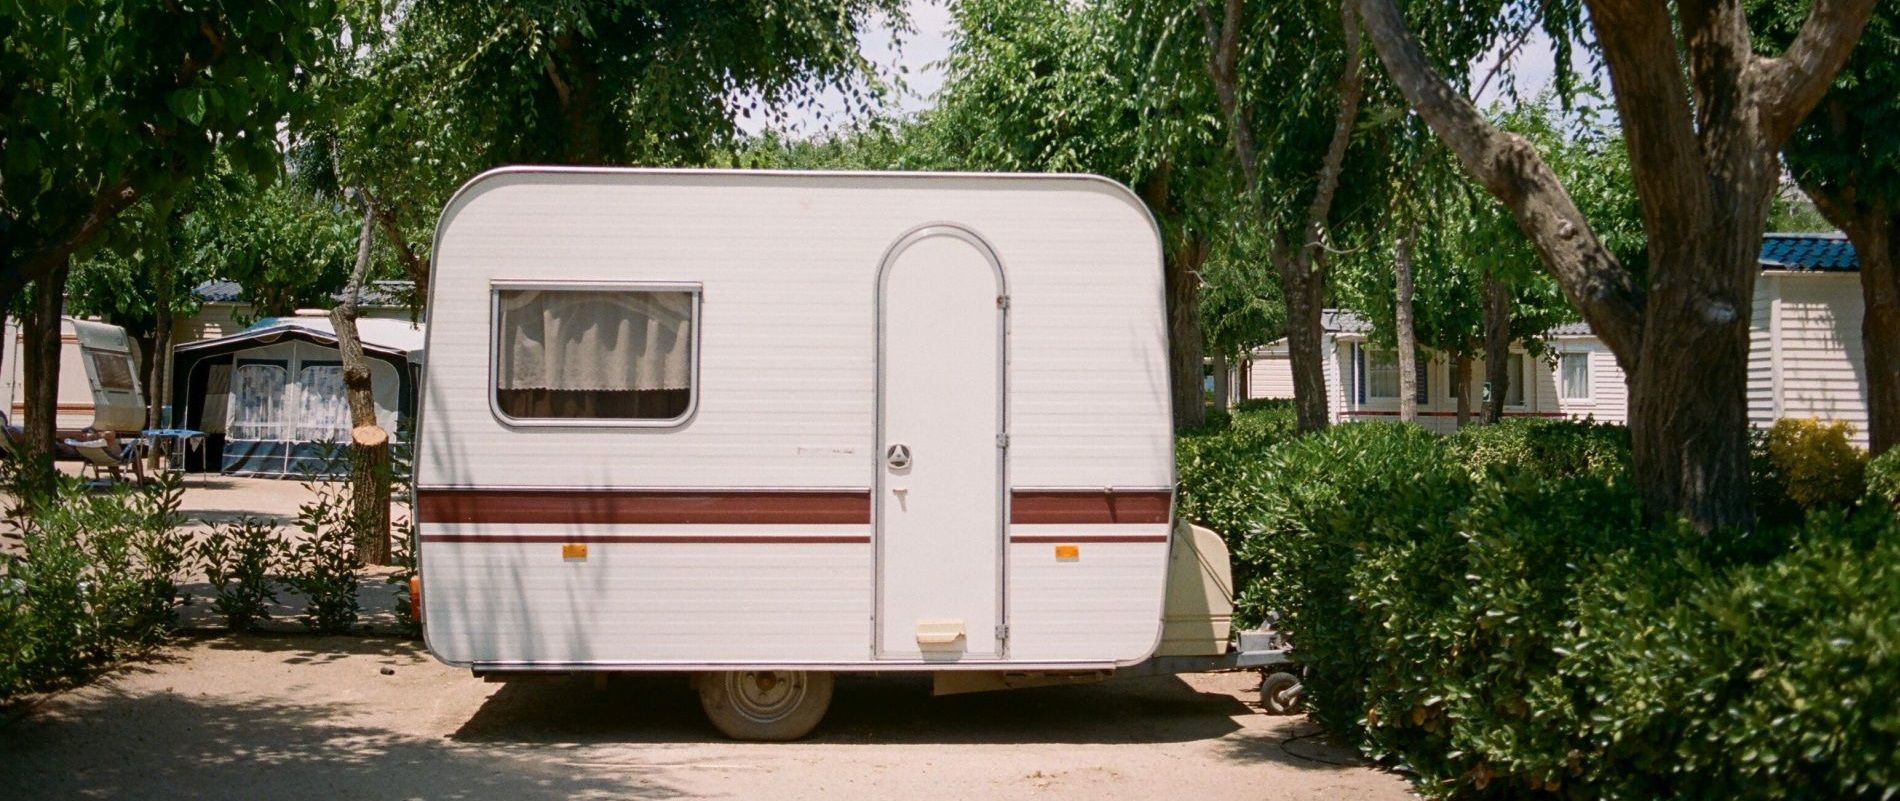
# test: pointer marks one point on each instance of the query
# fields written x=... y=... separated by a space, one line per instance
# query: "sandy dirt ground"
x=287 y=716
x=295 y=717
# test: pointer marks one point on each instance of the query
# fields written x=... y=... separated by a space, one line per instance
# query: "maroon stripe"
x=653 y=538
x=1382 y=413
x=1085 y=539
x=1074 y=507
x=629 y=507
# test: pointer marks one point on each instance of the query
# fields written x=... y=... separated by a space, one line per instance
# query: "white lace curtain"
x=323 y=411
x=595 y=340
x=266 y=405
x=257 y=402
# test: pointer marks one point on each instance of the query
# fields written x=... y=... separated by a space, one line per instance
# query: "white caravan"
x=98 y=379
x=767 y=426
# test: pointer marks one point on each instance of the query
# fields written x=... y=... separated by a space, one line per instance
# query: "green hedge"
x=1490 y=611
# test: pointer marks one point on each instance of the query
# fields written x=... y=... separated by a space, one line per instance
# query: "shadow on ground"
x=208 y=747
x=893 y=709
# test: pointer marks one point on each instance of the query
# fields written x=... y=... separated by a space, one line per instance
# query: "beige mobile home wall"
x=1806 y=358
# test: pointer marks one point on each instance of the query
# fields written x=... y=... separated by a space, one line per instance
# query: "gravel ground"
x=291 y=717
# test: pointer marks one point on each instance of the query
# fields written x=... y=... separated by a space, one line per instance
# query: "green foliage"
x=323 y=562
x=1846 y=148
x=1490 y=611
x=1219 y=471
x=1883 y=482
x=96 y=578
x=105 y=101
x=238 y=559
x=1544 y=449
x=1815 y=464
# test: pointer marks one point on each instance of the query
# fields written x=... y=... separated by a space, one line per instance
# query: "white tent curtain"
x=595 y=340
x=323 y=411
x=258 y=395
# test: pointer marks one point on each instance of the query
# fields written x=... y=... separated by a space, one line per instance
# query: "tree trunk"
x=40 y=363
x=369 y=444
x=1182 y=255
x=1874 y=229
x=160 y=358
x=1243 y=379
x=1703 y=117
x=1461 y=387
x=1223 y=382
x=1183 y=277
x=1305 y=345
x=1878 y=248
x=1497 y=346
x=1408 y=343
x=1299 y=259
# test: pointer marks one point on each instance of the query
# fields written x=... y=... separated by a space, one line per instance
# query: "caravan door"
x=941 y=494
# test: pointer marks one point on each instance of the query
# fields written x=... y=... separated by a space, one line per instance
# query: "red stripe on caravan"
x=628 y=507
x=1085 y=539
x=1073 y=507
x=653 y=538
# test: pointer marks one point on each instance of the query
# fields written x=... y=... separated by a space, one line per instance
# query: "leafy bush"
x=1815 y=462
x=1883 y=481
x=238 y=559
x=96 y=576
x=1219 y=471
x=1517 y=630
x=324 y=560
x=1545 y=448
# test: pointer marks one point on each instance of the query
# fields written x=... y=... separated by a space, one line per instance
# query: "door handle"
x=897 y=456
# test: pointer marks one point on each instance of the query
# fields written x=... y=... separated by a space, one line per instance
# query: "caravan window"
x=594 y=354
x=113 y=369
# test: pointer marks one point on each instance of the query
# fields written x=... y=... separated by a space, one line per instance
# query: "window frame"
x=495 y=289
x=1563 y=379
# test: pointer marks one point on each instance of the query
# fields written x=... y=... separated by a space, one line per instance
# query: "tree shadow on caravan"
x=882 y=709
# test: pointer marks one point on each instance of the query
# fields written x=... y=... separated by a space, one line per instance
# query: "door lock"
x=897 y=456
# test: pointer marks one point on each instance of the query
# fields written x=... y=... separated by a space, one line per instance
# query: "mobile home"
x=764 y=427
x=98 y=378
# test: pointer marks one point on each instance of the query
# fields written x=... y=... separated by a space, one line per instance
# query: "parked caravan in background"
x=764 y=427
x=99 y=385
x=270 y=397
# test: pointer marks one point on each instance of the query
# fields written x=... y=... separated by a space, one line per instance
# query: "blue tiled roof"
x=1822 y=252
x=219 y=291
x=377 y=293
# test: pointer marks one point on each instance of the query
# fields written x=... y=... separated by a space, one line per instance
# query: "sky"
x=919 y=53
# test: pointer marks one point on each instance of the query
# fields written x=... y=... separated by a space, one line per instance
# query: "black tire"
x=765 y=705
x=1280 y=694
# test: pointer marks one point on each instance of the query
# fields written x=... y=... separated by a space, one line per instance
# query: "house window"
x=1382 y=375
x=1574 y=369
x=603 y=354
x=1514 y=367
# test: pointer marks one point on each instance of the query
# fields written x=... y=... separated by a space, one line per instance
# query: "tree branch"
x=1223 y=46
x=1350 y=86
x=106 y=206
x=1510 y=168
x=1638 y=40
x=1792 y=83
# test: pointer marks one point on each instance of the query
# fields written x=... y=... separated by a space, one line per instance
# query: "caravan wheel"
x=769 y=705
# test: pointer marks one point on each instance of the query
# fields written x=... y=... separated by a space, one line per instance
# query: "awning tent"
x=270 y=398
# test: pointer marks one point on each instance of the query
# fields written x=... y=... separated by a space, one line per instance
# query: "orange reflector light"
x=415 y=598
x=574 y=550
x=1068 y=553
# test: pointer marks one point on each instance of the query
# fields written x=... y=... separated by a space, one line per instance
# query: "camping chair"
x=103 y=454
